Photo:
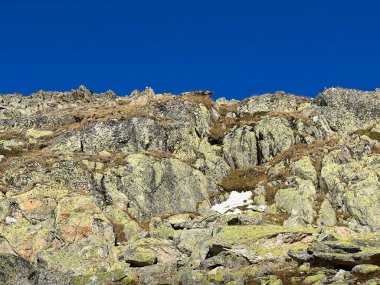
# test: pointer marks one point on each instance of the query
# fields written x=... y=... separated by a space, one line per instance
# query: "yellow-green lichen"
x=314 y=279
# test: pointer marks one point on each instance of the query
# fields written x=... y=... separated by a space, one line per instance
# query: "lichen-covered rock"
x=299 y=201
x=240 y=148
x=96 y=189
x=148 y=251
x=85 y=256
x=354 y=186
x=365 y=269
x=209 y=162
x=15 y=270
x=305 y=169
x=115 y=136
x=257 y=243
x=315 y=279
x=272 y=141
x=327 y=215
x=163 y=186
x=279 y=101
x=346 y=109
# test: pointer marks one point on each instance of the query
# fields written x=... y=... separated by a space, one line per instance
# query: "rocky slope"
x=179 y=189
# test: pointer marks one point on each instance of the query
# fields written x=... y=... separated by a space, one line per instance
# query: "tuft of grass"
x=219 y=129
x=376 y=149
x=244 y=180
x=276 y=219
x=119 y=233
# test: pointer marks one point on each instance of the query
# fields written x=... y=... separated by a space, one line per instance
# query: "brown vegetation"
x=244 y=180
x=158 y=153
x=297 y=151
x=376 y=149
x=220 y=127
x=201 y=99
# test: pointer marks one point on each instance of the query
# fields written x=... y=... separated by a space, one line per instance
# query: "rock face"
x=100 y=189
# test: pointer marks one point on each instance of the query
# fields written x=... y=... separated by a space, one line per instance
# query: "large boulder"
x=240 y=148
x=157 y=186
x=272 y=140
x=354 y=186
x=299 y=201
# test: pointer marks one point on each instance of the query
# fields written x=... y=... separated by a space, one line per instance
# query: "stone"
x=37 y=134
x=163 y=186
x=315 y=279
x=298 y=202
x=304 y=267
x=304 y=168
x=365 y=269
x=272 y=141
x=327 y=215
x=240 y=148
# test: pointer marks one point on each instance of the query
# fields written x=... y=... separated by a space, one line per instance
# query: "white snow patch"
x=235 y=200
x=10 y=220
x=262 y=208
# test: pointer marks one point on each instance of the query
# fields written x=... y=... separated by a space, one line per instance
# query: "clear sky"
x=235 y=48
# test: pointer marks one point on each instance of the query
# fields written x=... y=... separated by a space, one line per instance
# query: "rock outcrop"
x=179 y=189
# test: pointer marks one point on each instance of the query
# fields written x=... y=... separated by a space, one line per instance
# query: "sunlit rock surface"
x=180 y=189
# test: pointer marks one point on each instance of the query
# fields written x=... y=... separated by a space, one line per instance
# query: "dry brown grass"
x=244 y=180
x=118 y=229
x=276 y=219
x=375 y=149
x=374 y=135
x=12 y=134
x=220 y=128
x=297 y=151
x=96 y=112
x=158 y=153
x=204 y=100
x=124 y=109
x=301 y=99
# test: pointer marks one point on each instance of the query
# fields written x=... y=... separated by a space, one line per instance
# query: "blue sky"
x=235 y=48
